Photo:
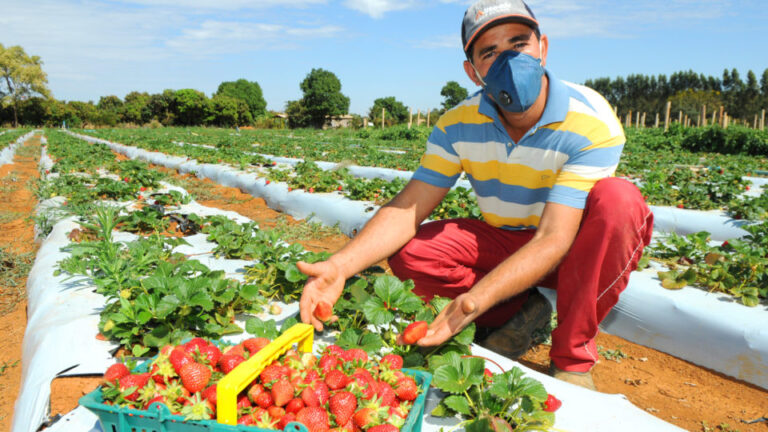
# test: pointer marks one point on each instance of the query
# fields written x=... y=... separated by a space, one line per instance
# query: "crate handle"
x=231 y=385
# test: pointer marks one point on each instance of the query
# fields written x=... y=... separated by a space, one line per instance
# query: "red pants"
x=448 y=257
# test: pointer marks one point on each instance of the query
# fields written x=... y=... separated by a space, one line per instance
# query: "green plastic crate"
x=159 y=419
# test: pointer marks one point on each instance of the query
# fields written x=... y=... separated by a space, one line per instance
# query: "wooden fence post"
x=754 y=124
x=410 y=119
x=704 y=115
x=418 y=118
x=762 y=121
x=637 y=119
x=642 y=121
x=656 y=125
x=680 y=117
x=720 y=116
x=382 y=118
x=666 y=117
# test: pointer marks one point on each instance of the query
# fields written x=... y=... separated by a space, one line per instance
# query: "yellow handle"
x=238 y=379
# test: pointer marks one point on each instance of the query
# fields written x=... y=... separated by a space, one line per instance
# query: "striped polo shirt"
x=577 y=142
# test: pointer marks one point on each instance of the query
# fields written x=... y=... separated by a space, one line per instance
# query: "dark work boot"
x=514 y=338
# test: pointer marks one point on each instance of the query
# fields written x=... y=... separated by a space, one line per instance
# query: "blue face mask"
x=514 y=81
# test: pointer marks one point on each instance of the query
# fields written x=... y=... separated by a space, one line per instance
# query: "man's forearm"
x=519 y=272
x=387 y=231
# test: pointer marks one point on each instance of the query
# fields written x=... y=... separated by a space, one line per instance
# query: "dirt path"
x=17 y=249
x=674 y=390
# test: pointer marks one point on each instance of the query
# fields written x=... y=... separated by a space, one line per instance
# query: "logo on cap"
x=479 y=14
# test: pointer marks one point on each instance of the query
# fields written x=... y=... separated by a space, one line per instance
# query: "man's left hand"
x=457 y=315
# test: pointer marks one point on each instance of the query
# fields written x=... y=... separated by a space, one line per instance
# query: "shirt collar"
x=558 y=100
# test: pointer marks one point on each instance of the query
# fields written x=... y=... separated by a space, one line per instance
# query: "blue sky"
x=378 y=48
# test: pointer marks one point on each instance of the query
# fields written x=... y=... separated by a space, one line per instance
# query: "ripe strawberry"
x=362 y=383
x=334 y=349
x=414 y=332
x=254 y=345
x=680 y=206
x=294 y=405
x=386 y=393
x=243 y=402
x=157 y=399
x=311 y=190
x=179 y=358
x=264 y=400
x=336 y=379
x=314 y=418
x=355 y=354
x=365 y=417
x=393 y=361
x=238 y=350
x=228 y=362
x=316 y=394
x=254 y=391
x=552 y=403
x=194 y=344
x=211 y=354
x=276 y=412
x=287 y=418
x=328 y=362
x=115 y=372
x=266 y=182
x=384 y=428
x=343 y=405
x=210 y=394
x=137 y=381
x=407 y=389
x=272 y=373
x=195 y=376
x=282 y=392
x=323 y=311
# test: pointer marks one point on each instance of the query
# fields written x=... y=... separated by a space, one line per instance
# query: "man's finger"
x=307 y=268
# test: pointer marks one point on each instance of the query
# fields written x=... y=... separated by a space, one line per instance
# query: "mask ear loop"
x=482 y=81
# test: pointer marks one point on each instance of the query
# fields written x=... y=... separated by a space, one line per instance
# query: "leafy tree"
x=247 y=91
x=690 y=101
x=21 y=77
x=161 y=107
x=395 y=111
x=322 y=96
x=34 y=111
x=453 y=94
x=228 y=111
x=191 y=107
x=136 y=108
x=298 y=117
x=109 y=103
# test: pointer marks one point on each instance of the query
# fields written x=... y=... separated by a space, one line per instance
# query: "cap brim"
x=524 y=19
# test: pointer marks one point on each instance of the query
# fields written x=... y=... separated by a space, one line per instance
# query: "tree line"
x=27 y=100
x=687 y=92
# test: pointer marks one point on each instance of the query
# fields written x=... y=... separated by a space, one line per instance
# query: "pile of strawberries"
x=343 y=390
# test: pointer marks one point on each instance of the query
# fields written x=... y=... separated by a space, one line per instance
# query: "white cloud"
x=377 y=8
x=222 y=37
x=226 y=5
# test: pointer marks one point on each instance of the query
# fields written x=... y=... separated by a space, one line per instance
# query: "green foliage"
x=395 y=111
x=322 y=98
x=246 y=91
x=191 y=107
x=453 y=93
x=21 y=76
x=479 y=399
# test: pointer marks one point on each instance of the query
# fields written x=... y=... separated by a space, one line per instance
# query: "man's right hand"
x=325 y=283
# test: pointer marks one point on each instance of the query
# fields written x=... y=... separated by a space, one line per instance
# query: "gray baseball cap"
x=487 y=13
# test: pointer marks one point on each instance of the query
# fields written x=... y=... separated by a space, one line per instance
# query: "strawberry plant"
x=372 y=315
x=502 y=401
x=736 y=267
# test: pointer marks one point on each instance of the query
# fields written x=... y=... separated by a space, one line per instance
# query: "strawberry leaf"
x=458 y=403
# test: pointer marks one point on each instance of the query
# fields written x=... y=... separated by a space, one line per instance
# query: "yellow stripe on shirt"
x=441 y=165
x=587 y=126
x=498 y=221
x=510 y=174
x=466 y=114
x=576 y=181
